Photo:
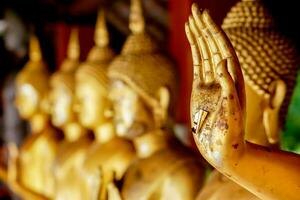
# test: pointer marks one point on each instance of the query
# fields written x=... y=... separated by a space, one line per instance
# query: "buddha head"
x=32 y=82
x=62 y=85
x=93 y=105
x=269 y=63
x=142 y=81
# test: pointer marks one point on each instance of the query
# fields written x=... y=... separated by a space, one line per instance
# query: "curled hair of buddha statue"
x=265 y=54
x=35 y=70
x=141 y=64
x=64 y=77
x=99 y=57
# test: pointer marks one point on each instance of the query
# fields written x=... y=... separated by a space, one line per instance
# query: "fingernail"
x=186 y=26
x=195 y=7
x=206 y=13
x=191 y=20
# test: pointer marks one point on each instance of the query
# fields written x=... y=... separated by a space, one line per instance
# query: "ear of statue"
x=36 y=98
x=161 y=111
x=271 y=112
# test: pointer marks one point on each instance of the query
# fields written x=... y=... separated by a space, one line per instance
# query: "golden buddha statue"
x=236 y=144
x=72 y=150
x=108 y=154
x=142 y=91
x=62 y=95
x=33 y=173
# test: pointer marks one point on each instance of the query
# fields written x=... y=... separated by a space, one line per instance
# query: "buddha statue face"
x=62 y=85
x=142 y=81
x=61 y=104
x=31 y=89
x=92 y=104
x=131 y=115
x=27 y=100
x=31 y=82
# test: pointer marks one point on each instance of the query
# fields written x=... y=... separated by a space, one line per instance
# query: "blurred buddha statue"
x=241 y=146
x=33 y=166
x=108 y=153
x=62 y=92
x=143 y=92
x=72 y=150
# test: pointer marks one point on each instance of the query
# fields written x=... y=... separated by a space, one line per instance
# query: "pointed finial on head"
x=35 y=53
x=73 y=51
x=101 y=35
x=136 y=18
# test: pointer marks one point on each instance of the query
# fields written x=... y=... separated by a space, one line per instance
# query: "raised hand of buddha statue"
x=217 y=101
x=218 y=112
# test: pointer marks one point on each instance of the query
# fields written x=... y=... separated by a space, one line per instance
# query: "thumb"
x=228 y=93
x=225 y=79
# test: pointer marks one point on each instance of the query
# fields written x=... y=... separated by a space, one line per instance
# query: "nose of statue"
x=76 y=106
x=46 y=105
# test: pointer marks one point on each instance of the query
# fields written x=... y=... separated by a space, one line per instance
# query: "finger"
x=230 y=115
x=230 y=101
x=236 y=74
x=197 y=16
x=225 y=79
x=223 y=43
x=208 y=75
x=195 y=53
x=208 y=37
x=203 y=55
x=227 y=51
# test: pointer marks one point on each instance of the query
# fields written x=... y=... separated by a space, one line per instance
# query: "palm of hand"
x=217 y=101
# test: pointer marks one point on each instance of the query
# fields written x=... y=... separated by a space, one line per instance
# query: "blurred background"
x=51 y=21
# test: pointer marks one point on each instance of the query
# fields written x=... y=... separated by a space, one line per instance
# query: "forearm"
x=267 y=173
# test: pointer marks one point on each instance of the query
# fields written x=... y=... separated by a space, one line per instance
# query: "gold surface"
x=141 y=60
x=218 y=88
x=31 y=168
x=62 y=93
x=143 y=90
x=62 y=102
x=92 y=104
x=107 y=154
x=268 y=61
